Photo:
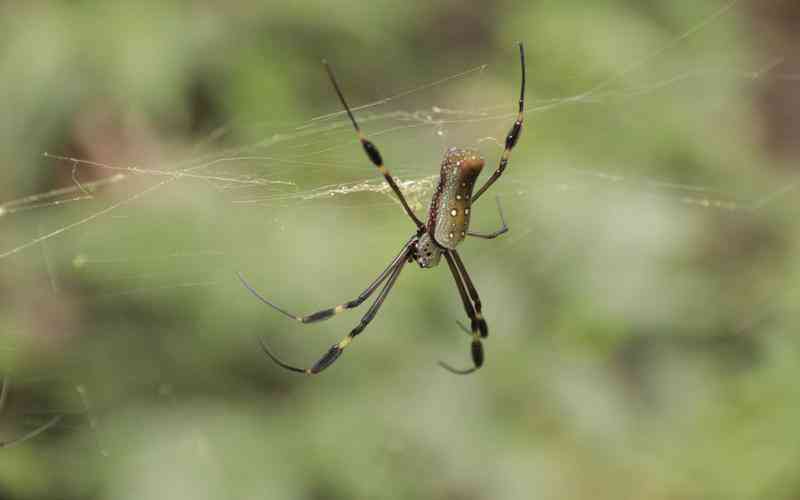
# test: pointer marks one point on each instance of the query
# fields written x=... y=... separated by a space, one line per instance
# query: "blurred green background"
x=642 y=334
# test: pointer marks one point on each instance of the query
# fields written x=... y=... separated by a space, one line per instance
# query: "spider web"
x=271 y=176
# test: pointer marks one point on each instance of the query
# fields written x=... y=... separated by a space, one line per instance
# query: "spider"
x=446 y=227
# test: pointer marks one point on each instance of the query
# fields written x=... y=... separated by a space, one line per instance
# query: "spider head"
x=428 y=254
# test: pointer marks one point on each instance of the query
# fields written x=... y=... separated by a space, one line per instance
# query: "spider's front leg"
x=479 y=323
x=336 y=349
x=479 y=329
x=332 y=311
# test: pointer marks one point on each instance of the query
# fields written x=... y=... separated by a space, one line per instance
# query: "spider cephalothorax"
x=426 y=252
x=446 y=227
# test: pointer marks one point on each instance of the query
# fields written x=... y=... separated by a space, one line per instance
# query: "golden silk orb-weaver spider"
x=446 y=227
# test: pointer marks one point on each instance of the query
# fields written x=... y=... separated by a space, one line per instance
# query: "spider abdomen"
x=449 y=213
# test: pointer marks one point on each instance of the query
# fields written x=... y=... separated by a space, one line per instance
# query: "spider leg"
x=503 y=228
x=372 y=152
x=513 y=134
x=478 y=324
x=336 y=349
x=329 y=313
x=473 y=294
x=32 y=434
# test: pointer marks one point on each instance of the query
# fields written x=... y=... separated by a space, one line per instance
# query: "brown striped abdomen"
x=449 y=213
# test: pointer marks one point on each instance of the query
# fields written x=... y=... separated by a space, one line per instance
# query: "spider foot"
x=275 y=359
x=325 y=361
x=477 y=359
x=457 y=371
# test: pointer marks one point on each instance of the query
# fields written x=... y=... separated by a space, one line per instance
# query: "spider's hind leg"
x=513 y=135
